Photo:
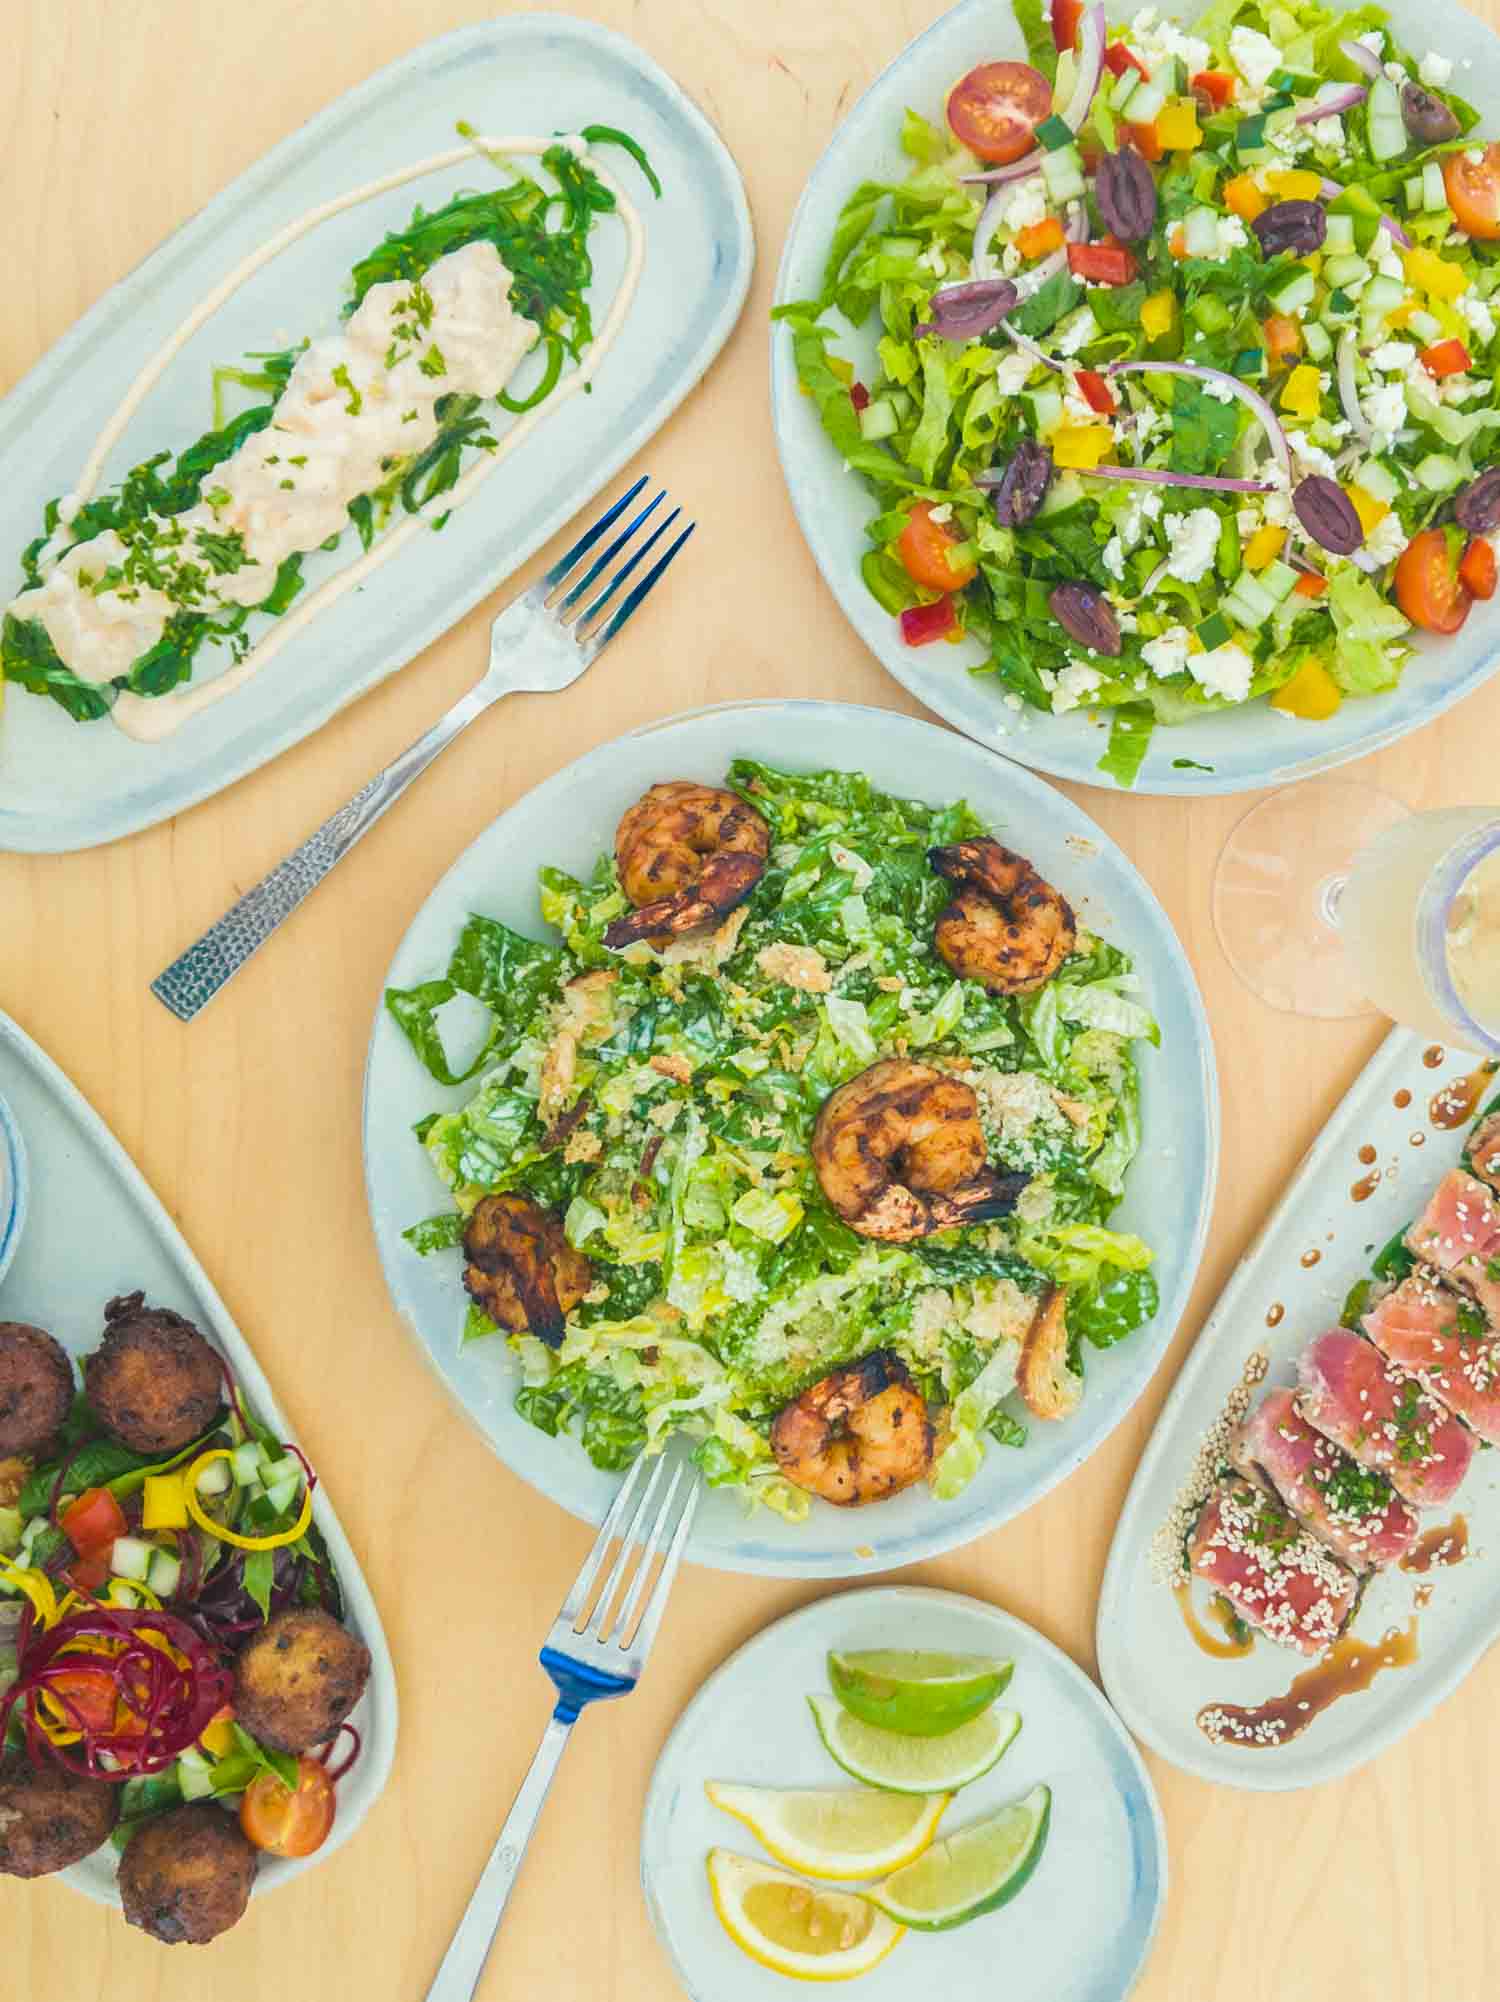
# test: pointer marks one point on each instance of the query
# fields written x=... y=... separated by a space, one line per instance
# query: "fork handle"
x=463 y=1963
x=192 y=980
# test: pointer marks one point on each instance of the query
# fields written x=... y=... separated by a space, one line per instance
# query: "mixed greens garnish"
x=1184 y=392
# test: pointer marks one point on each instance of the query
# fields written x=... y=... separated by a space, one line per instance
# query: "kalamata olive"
x=964 y=312
x=1428 y=119
x=1126 y=194
x=1024 y=485
x=1328 y=515
x=1086 y=615
x=1477 y=508
x=1299 y=227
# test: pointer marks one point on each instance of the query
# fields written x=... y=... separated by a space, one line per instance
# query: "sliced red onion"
x=1348 y=392
x=1163 y=476
x=1330 y=107
x=1253 y=402
x=1015 y=170
x=1090 y=68
x=1332 y=189
x=1076 y=225
x=1361 y=57
x=1155 y=578
x=1034 y=279
x=964 y=312
x=990 y=217
x=1029 y=347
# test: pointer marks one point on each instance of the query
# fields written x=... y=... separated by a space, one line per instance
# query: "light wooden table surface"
x=122 y=117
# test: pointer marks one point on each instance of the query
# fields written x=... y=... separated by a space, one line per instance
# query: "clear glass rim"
x=1434 y=906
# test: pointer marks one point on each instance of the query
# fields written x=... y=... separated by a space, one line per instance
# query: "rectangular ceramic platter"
x=67 y=785
x=94 y=1229
x=1156 y=1675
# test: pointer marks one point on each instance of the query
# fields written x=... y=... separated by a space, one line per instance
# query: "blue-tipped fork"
x=591 y=1653
x=535 y=646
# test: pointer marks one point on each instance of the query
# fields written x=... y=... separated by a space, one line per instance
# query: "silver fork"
x=588 y=1661
x=534 y=646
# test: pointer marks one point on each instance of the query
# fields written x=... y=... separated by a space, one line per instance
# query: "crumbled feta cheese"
x=1434 y=70
x=1254 y=55
x=1159 y=43
x=1312 y=459
x=942 y=512
x=1010 y=376
x=1169 y=654
x=1132 y=522
x=1077 y=331
x=1247 y=521
x=1277 y=508
x=1226 y=671
x=1395 y=72
x=1027 y=205
x=1076 y=681
x=1010 y=261
x=1148 y=419
x=1393 y=357
x=1192 y=539
x=1386 y=540
x=1127 y=622
x=1329 y=134
x=1385 y=412
x=1114 y=558
x=1077 y=409
x=1479 y=317
x=1220 y=392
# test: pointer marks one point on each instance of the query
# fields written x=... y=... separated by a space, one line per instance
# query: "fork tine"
x=656 y=1605
x=640 y=592
x=648 y=1558
x=578 y=1597
x=600 y=1623
x=602 y=562
x=592 y=612
x=586 y=541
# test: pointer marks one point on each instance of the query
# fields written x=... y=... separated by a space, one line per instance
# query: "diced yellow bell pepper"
x=1081 y=444
x=1296 y=184
x=1312 y=693
x=1244 y=199
x=1177 y=125
x=217 y=1735
x=1303 y=391
x=844 y=370
x=163 y=1503
x=1313 y=262
x=1399 y=315
x=1157 y=315
x=1434 y=275
x=1371 y=512
x=1264 y=546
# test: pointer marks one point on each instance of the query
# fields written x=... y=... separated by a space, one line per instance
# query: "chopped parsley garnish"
x=432 y=363
x=1470 y=1323
x=356 y=402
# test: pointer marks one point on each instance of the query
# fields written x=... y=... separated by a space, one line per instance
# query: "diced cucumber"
x=215 y=1478
x=1424 y=326
x=1439 y=473
x=281 y=1495
x=1382 y=294
x=1249 y=602
x=287 y=1468
x=1046 y=408
x=244 y=1463
x=1434 y=193
x=1294 y=291
x=1124 y=90
x=1339 y=238
x=1278 y=580
x=1062 y=173
x=905 y=249
x=126 y=1596
x=1379 y=483
x=903 y=403
x=1148 y=100
x=131 y=1558
x=1385 y=128
x=1317 y=340
x=1345 y=270
x=195 y=1776
x=878 y=420
x=1414 y=194
x=163 y=1574
x=1200 y=232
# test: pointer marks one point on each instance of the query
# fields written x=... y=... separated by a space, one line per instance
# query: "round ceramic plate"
x=1079 y=1931
x=1232 y=751
x=12 y=1186
x=569 y=822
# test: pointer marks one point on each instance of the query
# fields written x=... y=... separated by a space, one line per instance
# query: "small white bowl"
x=13 y=1186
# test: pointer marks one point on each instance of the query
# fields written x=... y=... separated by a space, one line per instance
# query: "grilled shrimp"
x=521 y=1269
x=1005 y=927
x=687 y=855
x=900 y=1152
x=857 y=1435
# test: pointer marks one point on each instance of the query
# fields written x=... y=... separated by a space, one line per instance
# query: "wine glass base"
x=1276 y=890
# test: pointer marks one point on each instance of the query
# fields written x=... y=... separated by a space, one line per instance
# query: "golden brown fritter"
x=687 y=855
x=299 y=1678
x=186 y=1876
x=155 y=1382
x=520 y=1268
x=50 y=1817
x=36 y=1387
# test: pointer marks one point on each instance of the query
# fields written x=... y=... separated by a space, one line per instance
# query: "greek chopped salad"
x=658 y=1122
x=1184 y=393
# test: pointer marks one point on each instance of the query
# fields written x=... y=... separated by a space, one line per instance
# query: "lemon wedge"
x=834 y=1832
x=795 y=1928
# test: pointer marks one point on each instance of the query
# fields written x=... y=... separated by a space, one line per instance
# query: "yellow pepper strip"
x=1312 y=693
x=140 y=1593
x=36 y=1586
x=1303 y=392
x=1081 y=444
x=1399 y=315
x=1433 y=274
x=217 y=1735
x=1296 y=184
x=1264 y=546
x=1244 y=199
x=1371 y=512
x=205 y=1521
x=163 y=1504
x=1157 y=315
x=1177 y=126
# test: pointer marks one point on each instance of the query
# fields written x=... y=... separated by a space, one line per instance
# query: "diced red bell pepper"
x=859 y=396
x=1446 y=358
x=1216 y=85
x=1095 y=391
x=1310 y=585
x=1476 y=569
x=1067 y=16
x=1118 y=59
x=921 y=624
x=1101 y=263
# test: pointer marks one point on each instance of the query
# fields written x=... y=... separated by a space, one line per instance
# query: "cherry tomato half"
x=1473 y=188
x=1067 y=17
x=92 y=1523
x=926 y=548
x=1476 y=569
x=284 y=1823
x=1428 y=587
x=89 y=1695
x=995 y=109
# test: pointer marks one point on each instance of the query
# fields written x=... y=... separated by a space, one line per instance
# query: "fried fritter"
x=185 y=1877
x=50 y=1817
x=155 y=1383
x=299 y=1678
x=36 y=1387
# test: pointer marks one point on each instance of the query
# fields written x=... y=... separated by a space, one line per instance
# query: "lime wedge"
x=796 y=1928
x=834 y=1832
x=976 y=1869
x=912 y=1690
x=905 y=1764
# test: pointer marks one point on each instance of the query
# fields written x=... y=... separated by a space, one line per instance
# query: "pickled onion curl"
x=1253 y=402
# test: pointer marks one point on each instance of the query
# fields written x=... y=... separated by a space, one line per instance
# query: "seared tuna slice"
x=1353 y=1509
x=1444 y=1341
x=1459 y=1234
x=1382 y=1417
x=1276 y=1576
x=1484 y=1150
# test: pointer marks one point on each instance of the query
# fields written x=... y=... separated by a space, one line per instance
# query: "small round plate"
x=13 y=1186
x=1080 y=1931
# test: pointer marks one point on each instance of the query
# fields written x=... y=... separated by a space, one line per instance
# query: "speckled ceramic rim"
x=1433 y=911
x=13 y=1188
